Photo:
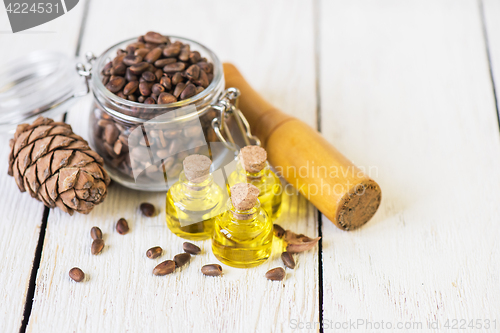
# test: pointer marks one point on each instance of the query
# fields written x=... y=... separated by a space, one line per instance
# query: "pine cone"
x=57 y=167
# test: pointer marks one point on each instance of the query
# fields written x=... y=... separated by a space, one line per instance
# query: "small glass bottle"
x=253 y=168
x=243 y=235
x=194 y=201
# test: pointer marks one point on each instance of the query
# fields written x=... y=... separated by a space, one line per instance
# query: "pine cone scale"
x=60 y=159
x=43 y=167
x=44 y=197
x=82 y=194
x=39 y=132
x=69 y=198
x=95 y=156
x=85 y=181
x=85 y=206
x=78 y=145
x=80 y=159
x=21 y=142
x=51 y=187
x=40 y=148
x=67 y=178
x=63 y=207
x=30 y=180
x=61 y=130
x=60 y=142
x=97 y=191
x=17 y=176
x=24 y=158
x=94 y=170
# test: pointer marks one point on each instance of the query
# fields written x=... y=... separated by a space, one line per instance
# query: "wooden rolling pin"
x=339 y=189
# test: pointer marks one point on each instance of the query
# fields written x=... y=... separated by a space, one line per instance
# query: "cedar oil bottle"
x=243 y=234
x=194 y=201
x=253 y=168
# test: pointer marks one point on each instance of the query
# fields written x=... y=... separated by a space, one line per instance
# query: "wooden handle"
x=339 y=189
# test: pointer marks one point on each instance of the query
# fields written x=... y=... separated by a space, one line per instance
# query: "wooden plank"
x=21 y=216
x=406 y=90
x=121 y=294
x=491 y=14
x=19 y=231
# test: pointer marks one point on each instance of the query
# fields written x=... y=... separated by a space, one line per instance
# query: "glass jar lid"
x=40 y=83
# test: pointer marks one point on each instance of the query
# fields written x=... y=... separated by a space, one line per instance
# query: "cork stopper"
x=253 y=158
x=197 y=168
x=244 y=196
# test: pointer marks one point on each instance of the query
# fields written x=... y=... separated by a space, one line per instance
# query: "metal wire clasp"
x=86 y=72
x=227 y=107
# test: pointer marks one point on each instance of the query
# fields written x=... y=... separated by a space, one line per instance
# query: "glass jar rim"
x=99 y=86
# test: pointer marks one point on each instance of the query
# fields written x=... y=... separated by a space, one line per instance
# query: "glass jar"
x=143 y=145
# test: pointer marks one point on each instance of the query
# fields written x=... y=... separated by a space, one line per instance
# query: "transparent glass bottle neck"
x=253 y=176
x=195 y=190
x=243 y=216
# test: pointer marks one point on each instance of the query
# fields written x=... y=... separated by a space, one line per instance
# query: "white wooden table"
x=405 y=89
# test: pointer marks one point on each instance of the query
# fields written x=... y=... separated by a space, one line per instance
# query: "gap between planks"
x=319 y=219
x=488 y=54
x=28 y=305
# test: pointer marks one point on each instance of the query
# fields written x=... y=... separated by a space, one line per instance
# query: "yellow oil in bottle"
x=192 y=207
x=268 y=184
x=242 y=238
